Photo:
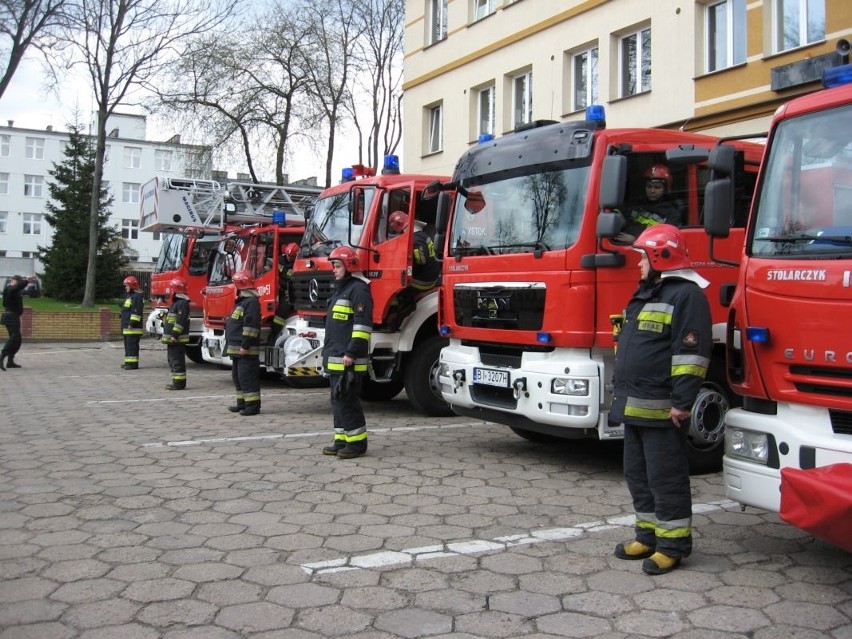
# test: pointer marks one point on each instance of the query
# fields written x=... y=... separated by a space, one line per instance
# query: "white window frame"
x=162 y=160
x=130 y=192
x=132 y=157
x=522 y=99
x=31 y=223
x=642 y=39
x=4 y=221
x=437 y=21
x=130 y=229
x=483 y=8
x=5 y=145
x=486 y=117
x=34 y=148
x=33 y=186
x=806 y=12
x=4 y=184
x=733 y=35
x=585 y=78
x=435 y=131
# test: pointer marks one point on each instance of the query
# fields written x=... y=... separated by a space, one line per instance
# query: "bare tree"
x=123 y=44
x=25 y=24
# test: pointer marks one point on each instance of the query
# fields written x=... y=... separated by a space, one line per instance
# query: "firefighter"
x=348 y=325
x=176 y=333
x=663 y=353
x=242 y=333
x=13 y=307
x=285 y=307
x=131 y=322
x=656 y=207
x=425 y=271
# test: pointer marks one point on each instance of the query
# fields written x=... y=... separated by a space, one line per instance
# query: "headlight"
x=443 y=370
x=746 y=444
x=570 y=386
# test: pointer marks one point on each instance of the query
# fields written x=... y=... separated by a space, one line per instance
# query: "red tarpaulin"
x=819 y=501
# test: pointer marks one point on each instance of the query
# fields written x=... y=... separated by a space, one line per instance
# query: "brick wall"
x=64 y=326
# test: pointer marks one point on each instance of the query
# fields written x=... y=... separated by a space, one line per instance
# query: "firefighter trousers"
x=13 y=325
x=131 y=350
x=350 y=425
x=176 y=354
x=656 y=469
x=245 y=372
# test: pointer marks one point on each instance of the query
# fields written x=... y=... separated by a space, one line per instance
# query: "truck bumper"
x=301 y=352
x=798 y=436
x=213 y=346
x=154 y=325
x=534 y=394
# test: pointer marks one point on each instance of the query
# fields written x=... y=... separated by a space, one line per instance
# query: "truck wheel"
x=421 y=378
x=706 y=436
x=193 y=353
x=381 y=391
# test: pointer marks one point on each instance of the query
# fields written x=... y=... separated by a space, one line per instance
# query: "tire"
x=532 y=436
x=372 y=391
x=193 y=354
x=706 y=435
x=420 y=373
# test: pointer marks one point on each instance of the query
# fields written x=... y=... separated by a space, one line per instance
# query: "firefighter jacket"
x=426 y=269
x=285 y=306
x=176 y=323
x=12 y=300
x=242 y=330
x=131 y=314
x=663 y=352
x=648 y=214
x=348 y=325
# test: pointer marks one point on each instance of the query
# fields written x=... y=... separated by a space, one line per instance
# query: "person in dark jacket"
x=13 y=308
x=242 y=334
x=285 y=307
x=663 y=351
x=425 y=267
x=656 y=207
x=176 y=333
x=131 y=322
x=348 y=326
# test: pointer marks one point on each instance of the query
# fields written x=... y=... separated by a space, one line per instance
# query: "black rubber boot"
x=174 y=386
x=251 y=408
x=10 y=363
x=240 y=405
x=352 y=450
x=335 y=447
x=2 y=357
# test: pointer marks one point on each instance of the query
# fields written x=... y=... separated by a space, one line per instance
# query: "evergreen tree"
x=67 y=212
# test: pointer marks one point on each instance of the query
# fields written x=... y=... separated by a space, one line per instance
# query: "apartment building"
x=26 y=156
x=476 y=67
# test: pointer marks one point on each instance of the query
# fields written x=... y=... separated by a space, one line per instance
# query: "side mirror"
x=723 y=159
x=474 y=202
x=431 y=190
x=609 y=224
x=356 y=206
x=613 y=182
x=718 y=207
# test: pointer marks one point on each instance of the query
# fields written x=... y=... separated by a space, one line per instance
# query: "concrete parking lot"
x=133 y=512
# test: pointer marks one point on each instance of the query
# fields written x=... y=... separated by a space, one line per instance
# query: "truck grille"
x=311 y=291
x=508 y=308
x=841 y=422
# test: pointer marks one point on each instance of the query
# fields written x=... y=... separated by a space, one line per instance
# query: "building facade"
x=26 y=156
x=476 y=67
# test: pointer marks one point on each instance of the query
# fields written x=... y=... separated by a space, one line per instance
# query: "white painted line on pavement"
x=249 y=438
x=412 y=556
x=183 y=398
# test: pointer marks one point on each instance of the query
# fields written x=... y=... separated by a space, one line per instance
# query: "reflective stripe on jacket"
x=348 y=325
x=242 y=329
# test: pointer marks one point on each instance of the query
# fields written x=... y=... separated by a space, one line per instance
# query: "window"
x=163 y=160
x=29 y=254
x=132 y=157
x=798 y=22
x=35 y=148
x=5 y=140
x=437 y=20
x=130 y=192
x=483 y=8
x=522 y=98
x=636 y=63
x=4 y=219
x=726 y=34
x=130 y=229
x=32 y=223
x=4 y=184
x=106 y=154
x=486 y=111
x=33 y=186
x=435 y=136
x=585 y=73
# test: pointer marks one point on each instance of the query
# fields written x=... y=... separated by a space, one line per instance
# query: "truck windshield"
x=520 y=214
x=172 y=252
x=329 y=226
x=805 y=205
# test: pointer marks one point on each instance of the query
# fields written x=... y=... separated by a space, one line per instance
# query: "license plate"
x=491 y=377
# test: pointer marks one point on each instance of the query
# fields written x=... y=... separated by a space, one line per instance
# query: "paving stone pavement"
x=131 y=512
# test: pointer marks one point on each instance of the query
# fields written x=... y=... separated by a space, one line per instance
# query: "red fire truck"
x=270 y=218
x=405 y=343
x=536 y=265
x=789 y=447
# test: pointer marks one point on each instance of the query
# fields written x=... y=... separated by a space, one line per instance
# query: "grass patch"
x=49 y=304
